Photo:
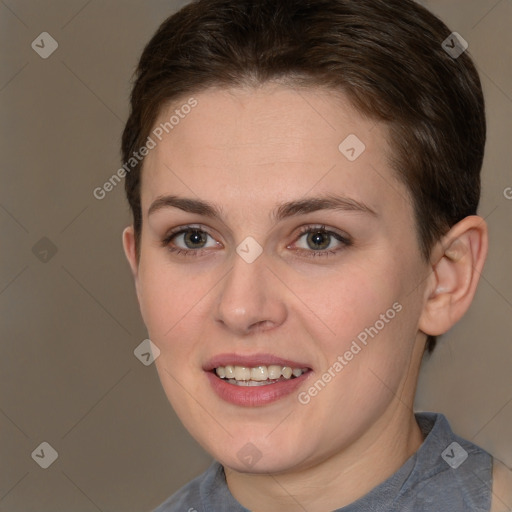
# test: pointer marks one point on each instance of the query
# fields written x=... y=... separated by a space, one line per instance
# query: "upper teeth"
x=258 y=373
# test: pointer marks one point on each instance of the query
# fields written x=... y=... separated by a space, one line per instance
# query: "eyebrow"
x=282 y=211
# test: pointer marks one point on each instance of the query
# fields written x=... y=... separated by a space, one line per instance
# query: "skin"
x=246 y=151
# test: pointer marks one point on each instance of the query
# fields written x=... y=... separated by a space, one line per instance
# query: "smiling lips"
x=254 y=380
x=258 y=375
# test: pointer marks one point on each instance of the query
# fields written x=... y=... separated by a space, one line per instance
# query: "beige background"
x=69 y=325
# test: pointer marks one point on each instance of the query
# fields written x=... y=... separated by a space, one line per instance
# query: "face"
x=296 y=253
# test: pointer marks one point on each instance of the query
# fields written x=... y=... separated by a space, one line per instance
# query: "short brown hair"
x=386 y=56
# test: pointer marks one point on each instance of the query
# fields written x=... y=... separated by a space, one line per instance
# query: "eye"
x=313 y=241
x=189 y=240
x=318 y=241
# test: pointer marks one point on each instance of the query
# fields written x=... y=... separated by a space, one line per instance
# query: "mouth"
x=261 y=375
x=255 y=380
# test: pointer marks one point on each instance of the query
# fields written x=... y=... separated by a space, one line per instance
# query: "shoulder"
x=186 y=498
x=501 y=487
x=450 y=472
x=189 y=497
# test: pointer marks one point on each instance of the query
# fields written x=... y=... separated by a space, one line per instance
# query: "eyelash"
x=345 y=240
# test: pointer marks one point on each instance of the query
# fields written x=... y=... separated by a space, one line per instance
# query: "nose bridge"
x=248 y=297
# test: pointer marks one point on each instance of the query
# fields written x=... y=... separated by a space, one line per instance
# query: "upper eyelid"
x=206 y=229
x=181 y=230
x=343 y=238
x=187 y=227
x=323 y=227
x=303 y=230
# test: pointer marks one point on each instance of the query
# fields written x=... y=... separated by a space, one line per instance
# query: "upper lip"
x=250 y=361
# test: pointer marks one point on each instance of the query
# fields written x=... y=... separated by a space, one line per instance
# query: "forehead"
x=253 y=147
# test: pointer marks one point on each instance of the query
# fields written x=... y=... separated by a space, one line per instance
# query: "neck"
x=339 y=480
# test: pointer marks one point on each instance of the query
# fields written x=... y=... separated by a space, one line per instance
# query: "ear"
x=130 y=251
x=456 y=264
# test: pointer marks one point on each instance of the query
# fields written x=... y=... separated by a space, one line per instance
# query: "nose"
x=250 y=298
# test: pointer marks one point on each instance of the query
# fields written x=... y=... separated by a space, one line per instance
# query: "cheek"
x=366 y=315
x=377 y=342
x=171 y=302
x=344 y=302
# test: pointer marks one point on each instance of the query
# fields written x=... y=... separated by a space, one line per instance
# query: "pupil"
x=194 y=238
x=317 y=238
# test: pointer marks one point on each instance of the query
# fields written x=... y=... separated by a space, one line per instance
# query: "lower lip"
x=253 y=396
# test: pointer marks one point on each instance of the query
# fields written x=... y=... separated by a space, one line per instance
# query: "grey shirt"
x=446 y=474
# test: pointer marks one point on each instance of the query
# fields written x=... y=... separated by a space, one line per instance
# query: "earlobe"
x=458 y=260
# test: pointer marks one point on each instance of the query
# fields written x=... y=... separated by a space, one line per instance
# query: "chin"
x=260 y=456
x=263 y=465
